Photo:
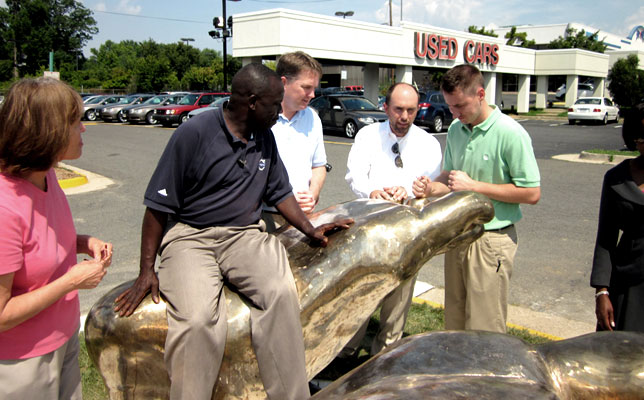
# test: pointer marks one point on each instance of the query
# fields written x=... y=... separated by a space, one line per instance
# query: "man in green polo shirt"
x=489 y=153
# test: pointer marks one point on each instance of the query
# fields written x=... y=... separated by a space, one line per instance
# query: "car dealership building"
x=412 y=49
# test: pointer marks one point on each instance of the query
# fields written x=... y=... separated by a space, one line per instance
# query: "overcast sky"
x=167 y=21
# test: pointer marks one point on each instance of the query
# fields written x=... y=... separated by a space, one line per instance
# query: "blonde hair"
x=36 y=119
x=290 y=65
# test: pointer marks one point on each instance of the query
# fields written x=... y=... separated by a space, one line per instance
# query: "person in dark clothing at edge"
x=203 y=217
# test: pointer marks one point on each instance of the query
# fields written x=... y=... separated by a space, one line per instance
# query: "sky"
x=167 y=21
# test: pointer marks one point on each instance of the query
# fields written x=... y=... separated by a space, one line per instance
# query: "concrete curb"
x=88 y=181
x=592 y=158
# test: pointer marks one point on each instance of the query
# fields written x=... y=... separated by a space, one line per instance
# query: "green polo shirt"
x=498 y=150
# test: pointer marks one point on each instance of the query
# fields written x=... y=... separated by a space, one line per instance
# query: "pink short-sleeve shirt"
x=37 y=245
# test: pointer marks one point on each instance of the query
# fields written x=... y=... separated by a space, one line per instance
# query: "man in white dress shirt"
x=394 y=160
x=298 y=133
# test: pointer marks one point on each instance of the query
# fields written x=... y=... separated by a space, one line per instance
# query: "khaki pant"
x=393 y=316
x=477 y=282
x=273 y=221
x=55 y=375
x=194 y=264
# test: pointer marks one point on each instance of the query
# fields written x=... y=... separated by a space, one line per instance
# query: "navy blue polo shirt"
x=209 y=177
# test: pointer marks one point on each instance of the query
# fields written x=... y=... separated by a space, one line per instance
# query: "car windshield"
x=154 y=100
x=128 y=100
x=95 y=100
x=188 y=100
x=218 y=102
x=359 y=104
x=589 y=101
x=112 y=100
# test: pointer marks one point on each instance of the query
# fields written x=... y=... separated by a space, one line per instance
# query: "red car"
x=178 y=113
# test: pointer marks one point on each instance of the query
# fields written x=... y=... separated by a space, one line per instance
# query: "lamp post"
x=344 y=14
x=187 y=39
x=224 y=34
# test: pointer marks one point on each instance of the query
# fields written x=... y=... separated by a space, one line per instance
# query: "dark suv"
x=178 y=113
x=433 y=112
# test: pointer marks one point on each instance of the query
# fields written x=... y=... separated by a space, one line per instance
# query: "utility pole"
x=391 y=21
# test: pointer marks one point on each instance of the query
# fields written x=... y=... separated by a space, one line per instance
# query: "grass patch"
x=421 y=318
x=563 y=114
x=93 y=387
x=531 y=112
x=614 y=152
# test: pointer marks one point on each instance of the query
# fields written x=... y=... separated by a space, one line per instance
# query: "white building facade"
x=411 y=46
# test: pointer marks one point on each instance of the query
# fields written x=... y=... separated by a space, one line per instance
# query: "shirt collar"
x=487 y=124
x=296 y=116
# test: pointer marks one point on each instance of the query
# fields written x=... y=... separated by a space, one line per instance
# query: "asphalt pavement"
x=549 y=291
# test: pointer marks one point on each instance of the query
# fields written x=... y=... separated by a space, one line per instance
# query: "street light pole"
x=186 y=40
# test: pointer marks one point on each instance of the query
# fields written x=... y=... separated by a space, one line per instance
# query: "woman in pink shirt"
x=39 y=274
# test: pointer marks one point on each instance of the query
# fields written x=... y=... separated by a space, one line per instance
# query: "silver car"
x=90 y=108
x=221 y=102
x=144 y=112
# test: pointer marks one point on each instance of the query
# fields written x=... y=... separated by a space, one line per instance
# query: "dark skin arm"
x=292 y=212
x=154 y=223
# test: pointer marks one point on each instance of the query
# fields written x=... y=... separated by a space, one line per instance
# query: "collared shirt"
x=209 y=177
x=301 y=146
x=371 y=164
x=498 y=151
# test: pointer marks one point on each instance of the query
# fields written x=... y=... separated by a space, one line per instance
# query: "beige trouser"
x=393 y=316
x=55 y=375
x=477 y=282
x=194 y=265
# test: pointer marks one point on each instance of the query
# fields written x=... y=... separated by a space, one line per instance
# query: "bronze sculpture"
x=339 y=286
x=487 y=365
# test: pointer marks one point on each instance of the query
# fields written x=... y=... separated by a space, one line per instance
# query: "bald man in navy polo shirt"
x=203 y=215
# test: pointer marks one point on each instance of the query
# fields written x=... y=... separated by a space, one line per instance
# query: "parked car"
x=220 y=102
x=144 y=112
x=93 y=97
x=433 y=112
x=90 y=108
x=583 y=90
x=114 y=112
x=346 y=113
x=178 y=113
x=599 y=109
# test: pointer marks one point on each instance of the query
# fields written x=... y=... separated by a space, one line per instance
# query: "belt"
x=500 y=229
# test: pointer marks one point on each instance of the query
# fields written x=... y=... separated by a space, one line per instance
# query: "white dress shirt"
x=371 y=164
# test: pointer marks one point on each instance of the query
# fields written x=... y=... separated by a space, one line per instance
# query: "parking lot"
x=556 y=237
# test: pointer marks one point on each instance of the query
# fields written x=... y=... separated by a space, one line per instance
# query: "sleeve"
x=11 y=251
x=607 y=234
x=447 y=157
x=522 y=163
x=435 y=157
x=165 y=191
x=358 y=166
x=278 y=187
x=319 y=154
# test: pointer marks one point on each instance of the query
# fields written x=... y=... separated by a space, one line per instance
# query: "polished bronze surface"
x=486 y=365
x=340 y=286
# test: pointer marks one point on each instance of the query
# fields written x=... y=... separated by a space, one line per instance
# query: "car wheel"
x=122 y=117
x=90 y=115
x=437 y=124
x=350 y=129
x=605 y=120
x=183 y=118
x=571 y=121
x=149 y=118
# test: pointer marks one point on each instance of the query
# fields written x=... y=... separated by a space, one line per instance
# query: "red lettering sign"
x=434 y=47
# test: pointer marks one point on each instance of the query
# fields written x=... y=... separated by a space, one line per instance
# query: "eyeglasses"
x=396 y=151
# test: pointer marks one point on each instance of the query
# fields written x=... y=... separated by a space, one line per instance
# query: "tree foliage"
x=33 y=28
x=36 y=27
x=578 y=40
x=519 y=39
x=626 y=82
x=481 y=31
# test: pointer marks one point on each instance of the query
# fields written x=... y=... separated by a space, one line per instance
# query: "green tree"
x=578 y=40
x=626 y=82
x=33 y=28
x=481 y=31
x=519 y=39
x=199 y=78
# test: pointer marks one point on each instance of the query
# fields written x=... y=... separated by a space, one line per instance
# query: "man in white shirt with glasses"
x=394 y=160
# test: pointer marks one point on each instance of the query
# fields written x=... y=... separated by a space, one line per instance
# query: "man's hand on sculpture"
x=321 y=233
x=127 y=301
